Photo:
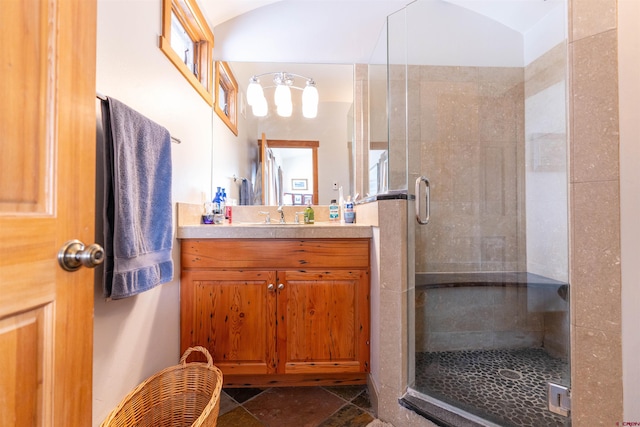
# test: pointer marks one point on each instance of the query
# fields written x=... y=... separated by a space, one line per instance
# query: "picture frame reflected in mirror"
x=299 y=184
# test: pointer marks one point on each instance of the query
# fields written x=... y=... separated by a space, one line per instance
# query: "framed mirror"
x=331 y=132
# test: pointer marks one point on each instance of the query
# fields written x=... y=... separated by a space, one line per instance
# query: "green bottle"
x=309 y=215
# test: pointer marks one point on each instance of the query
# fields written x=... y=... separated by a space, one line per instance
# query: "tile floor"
x=336 y=406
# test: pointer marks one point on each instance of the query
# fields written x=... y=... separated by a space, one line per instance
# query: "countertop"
x=189 y=227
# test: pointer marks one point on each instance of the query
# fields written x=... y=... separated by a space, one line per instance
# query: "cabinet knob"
x=281 y=286
x=270 y=287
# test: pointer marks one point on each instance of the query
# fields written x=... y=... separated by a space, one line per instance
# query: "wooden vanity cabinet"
x=278 y=311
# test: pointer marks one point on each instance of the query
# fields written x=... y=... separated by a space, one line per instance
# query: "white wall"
x=546 y=183
x=138 y=336
x=546 y=34
x=546 y=147
x=445 y=34
x=629 y=85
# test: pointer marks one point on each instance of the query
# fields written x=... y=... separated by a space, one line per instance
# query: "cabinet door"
x=233 y=315
x=323 y=321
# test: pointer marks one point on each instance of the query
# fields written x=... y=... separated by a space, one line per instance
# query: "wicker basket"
x=184 y=395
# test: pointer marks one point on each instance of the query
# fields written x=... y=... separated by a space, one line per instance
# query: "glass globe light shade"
x=285 y=110
x=310 y=100
x=309 y=111
x=254 y=92
x=260 y=108
x=282 y=95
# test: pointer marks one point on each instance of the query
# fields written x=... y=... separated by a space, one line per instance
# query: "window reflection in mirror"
x=378 y=155
x=226 y=96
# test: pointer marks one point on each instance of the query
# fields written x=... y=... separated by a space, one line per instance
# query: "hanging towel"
x=279 y=187
x=246 y=192
x=138 y=212
x=257 y=187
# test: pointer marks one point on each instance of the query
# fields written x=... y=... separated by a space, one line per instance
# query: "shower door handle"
x=427 y=198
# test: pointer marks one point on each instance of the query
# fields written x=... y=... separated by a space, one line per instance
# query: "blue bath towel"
x=138 y=211
x=246 y=192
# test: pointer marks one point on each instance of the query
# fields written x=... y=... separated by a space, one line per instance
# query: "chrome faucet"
x=267 y=219
x=297 y=220
x=281 y=210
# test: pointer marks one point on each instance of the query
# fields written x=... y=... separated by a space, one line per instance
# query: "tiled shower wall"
x=477 y=318
x=594 y=188
x=469 y=124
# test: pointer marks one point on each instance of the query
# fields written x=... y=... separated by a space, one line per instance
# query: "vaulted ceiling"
x=332 y=31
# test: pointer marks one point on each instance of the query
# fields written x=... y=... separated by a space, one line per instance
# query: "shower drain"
x=508 y=373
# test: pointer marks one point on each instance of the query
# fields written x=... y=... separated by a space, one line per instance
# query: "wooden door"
x=47 y=168
x=323 y=321
x=233 y=315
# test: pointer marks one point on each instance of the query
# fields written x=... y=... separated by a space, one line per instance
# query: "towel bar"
x=104 y=98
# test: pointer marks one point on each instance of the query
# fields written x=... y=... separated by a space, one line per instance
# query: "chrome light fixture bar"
x=283 y=82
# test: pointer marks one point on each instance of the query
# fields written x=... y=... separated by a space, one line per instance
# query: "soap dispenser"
x=309 y=216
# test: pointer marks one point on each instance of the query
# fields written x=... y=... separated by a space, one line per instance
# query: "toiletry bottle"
x=223 y=203
x=216 y=201
x=334 y=211
x=207 y=216
x=218 y=213
x=349 y=213
x=341 y=205
x=309 y=216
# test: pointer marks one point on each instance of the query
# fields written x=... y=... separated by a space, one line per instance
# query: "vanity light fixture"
x=283 y=82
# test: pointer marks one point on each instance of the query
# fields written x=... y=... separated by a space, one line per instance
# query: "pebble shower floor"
x=507 y=387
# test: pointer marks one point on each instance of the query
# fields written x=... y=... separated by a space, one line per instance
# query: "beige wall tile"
x=501 y=111
x=393 y=339
x=449 y=74
x=595 y=278
x=594 y=102
x=596 y=378
x=556 y=334
x=546 y=71
x=590 y=17
x=594 y=217
x=393 y=245
x=471 y=123
x=467 y=318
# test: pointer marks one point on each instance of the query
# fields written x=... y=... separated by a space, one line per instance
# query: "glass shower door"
x=484 y=121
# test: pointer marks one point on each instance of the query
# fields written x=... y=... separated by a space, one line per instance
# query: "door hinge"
x=559 y=398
